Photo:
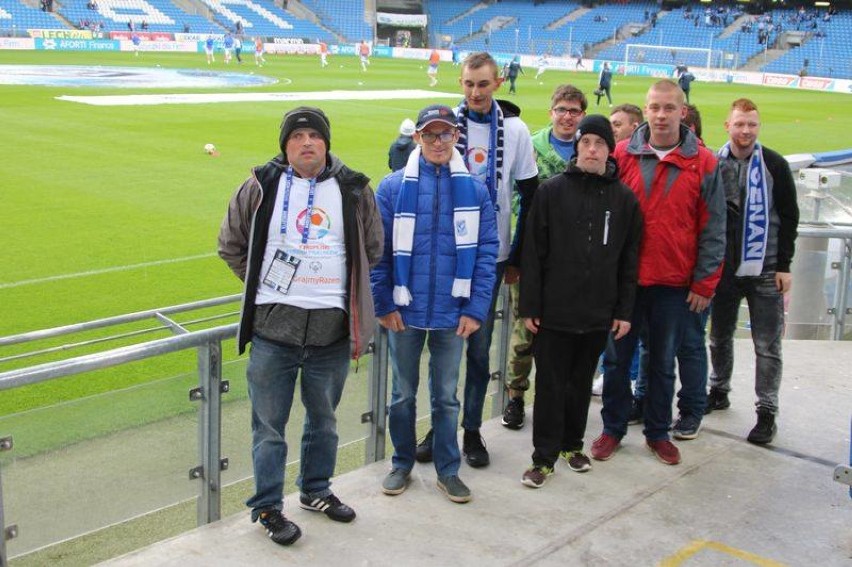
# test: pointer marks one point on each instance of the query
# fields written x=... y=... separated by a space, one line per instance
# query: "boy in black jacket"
x=580 y=269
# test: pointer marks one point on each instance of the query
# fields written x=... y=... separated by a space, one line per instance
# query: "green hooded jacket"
x=548 y=161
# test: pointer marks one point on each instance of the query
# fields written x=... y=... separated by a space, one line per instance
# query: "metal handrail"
x=114 y=357
x=117 y=320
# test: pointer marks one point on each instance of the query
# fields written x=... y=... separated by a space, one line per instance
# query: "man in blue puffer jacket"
x=432 y=284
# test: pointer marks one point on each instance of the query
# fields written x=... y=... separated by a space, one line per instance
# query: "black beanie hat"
x=304 y=117
x=595 y=124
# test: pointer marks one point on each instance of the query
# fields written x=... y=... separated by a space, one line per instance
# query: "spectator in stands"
x=186 y=28
x=239 y=27
x=511 y=71
x=438 y=296
x=402 y=147
x=604 y=85
x=573 y=295
x=432 y=71
x=130 y=25
x=554 y=148
x=759 y=251
x=624 y=119
x=684 y=80
x=579 y=63
x=678 y=272
x=299 y=321
x=144 y=24
x=364 y=54
x=497 y=147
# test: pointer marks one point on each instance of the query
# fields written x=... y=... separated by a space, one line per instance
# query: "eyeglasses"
x=430 y=137
x=562 y=111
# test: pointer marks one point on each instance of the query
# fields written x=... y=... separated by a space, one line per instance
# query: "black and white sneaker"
x=330 y=505
x=281 y=530
x=513 y=415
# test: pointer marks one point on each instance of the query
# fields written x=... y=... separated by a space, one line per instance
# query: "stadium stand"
x=264 y=18
x=680 y=28
x=16 y=18
x=558 y=28
x=824 y=51
x=344 y=17
x=160 y=16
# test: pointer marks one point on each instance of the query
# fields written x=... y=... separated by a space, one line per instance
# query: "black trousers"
x=565 y=367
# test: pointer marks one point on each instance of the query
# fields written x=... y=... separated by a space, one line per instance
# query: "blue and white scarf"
x=465 y=224
x=494 y=174
x=755 y=214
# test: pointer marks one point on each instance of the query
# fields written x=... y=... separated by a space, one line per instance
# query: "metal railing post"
x=6 y=533
x=838 y=325
x=504 y=315
x=209 y=395
x=377 y=396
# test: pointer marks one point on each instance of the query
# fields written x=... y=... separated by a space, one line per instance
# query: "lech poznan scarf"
x=494 y=174
x=755 y=214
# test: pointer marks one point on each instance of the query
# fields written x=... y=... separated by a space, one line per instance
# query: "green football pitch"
x=115 y=209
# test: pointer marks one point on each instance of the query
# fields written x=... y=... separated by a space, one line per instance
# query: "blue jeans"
x=272 y=372
x=766 y=311
x=691 y=362
x=664 y=312
x=445 y=350
x=478 y=372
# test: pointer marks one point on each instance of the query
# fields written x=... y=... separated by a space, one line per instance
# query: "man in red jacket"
x=680 y=263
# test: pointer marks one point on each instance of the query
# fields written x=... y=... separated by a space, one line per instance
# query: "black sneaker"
x=281 y=530
x=423 y=454
x=330 y=505
x=513 y=415
x=686 y=427
x=637 y=412
x=717 y=400
x=765 y=430
x=473 y=447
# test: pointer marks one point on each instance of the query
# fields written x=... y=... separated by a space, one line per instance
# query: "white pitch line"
x=104 y=271
x=208 y=98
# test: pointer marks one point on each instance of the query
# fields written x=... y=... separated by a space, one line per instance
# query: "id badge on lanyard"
x=281 y=272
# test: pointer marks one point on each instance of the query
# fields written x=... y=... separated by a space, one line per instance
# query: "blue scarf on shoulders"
x=755 y=214
x=494 y=174
x=465 y=226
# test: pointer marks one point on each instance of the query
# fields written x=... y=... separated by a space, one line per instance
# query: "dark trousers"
x=565 y=367
x=604 y=91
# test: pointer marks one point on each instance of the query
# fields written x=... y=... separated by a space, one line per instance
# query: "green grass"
x=90 y=188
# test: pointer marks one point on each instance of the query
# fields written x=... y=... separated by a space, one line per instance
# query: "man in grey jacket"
x=301 y=232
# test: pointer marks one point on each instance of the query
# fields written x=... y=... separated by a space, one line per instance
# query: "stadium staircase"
x=757 y=62
x=572 y=17
x=735 y=26
x=467 y=13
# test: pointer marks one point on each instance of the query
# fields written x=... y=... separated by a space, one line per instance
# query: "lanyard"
x=309 y=210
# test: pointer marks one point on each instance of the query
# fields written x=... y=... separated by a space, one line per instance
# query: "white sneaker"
x=597 y=385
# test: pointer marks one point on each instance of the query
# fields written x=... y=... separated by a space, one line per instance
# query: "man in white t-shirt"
x=498 y=150
x=301 y=232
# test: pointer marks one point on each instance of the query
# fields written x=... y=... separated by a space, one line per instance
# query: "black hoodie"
x=581 y=250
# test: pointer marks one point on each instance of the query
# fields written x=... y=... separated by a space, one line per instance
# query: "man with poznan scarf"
x=433 y=285
x=497 y=149
x=301 y=232
x=763 y=217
